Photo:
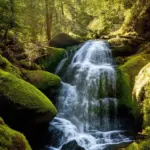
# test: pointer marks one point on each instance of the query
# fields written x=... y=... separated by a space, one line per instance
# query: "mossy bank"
x=11 y=139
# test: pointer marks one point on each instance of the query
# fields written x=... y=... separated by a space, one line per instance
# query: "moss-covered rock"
x=123 y=46
x=143 y=145
x=29 y=65
x=22 y=93
x=141 y=92
x=126 y=74
x=24 y=102
x=63 y=40
x=51 y=58
x=47 y=82
x=11 y=139
x=7 y=66
x=42 y=79
x=24 y=107
x=133 y=65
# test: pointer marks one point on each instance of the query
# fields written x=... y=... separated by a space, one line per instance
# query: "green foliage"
x=5 y=15
x=147 y=130
x=42 y=79
x=66 y=16
x=136 y=17
x=21 y=92
x=11 y=139
x=108 y=18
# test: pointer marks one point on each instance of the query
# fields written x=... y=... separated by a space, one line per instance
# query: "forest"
x=75 y=75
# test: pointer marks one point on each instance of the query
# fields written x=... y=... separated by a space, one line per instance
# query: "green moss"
x=133 y=146
x=23 y=93
x=11 y=139
x=29 y=65
x=124 y=93
x=141 y=93
x=51 y=58
x=124 y=90
x=42 y=79
x=1 y=121
x=126 y=74
x=133 y=66
x=146 y=111
x=146 y=107
x=7 y=66
x=143 y=145
x=126 y=79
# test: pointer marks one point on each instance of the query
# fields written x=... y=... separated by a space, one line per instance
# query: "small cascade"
x=87 y=106
x=61 y=64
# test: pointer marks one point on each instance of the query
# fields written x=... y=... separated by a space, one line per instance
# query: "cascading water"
x=87 y=106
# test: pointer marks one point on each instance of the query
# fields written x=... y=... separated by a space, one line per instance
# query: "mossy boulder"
x=42 y=79
x=63 y=40
x=7 y=66
x=141 y=92
x=126 y=74
x=47 y=82
x=29 y=65
x=133 y=65
x=24 y=102
x=11 y=139
x=21 y=92
x=24 y=107
x=123 y=46
x=51 y=58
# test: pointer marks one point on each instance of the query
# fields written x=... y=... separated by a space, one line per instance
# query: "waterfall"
x=87 y=104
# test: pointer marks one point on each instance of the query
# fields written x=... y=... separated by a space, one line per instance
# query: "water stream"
x=87 y=104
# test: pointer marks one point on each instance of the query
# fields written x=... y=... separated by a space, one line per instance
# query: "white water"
x=87 y=106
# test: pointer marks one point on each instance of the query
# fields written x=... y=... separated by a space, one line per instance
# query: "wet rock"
x=55 y=136
x=123 y=46
x=72 y=145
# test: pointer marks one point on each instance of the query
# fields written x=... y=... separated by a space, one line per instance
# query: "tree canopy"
x=38 y=21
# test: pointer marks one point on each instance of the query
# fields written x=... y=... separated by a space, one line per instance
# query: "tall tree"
x=12 y=17
x=49 y=10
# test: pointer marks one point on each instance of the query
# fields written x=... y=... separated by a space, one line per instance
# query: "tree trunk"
x=33 y=22
x=49 y=7
x=12 y=19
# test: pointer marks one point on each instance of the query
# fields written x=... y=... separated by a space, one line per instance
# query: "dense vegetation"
x=38 y=21
x=35 y=36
